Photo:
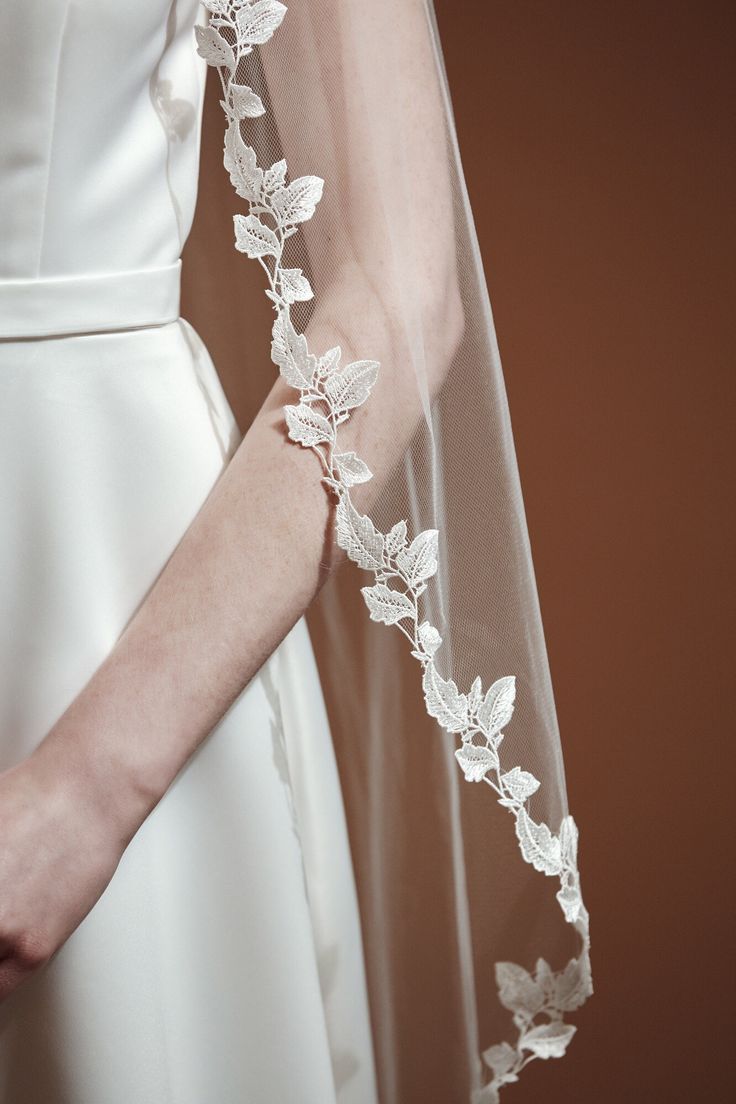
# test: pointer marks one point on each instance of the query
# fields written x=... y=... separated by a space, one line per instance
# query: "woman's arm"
x=244 y=572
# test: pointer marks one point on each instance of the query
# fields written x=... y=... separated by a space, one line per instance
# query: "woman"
x=162 y=716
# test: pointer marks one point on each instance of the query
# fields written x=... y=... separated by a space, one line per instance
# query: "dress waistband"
x=89 y=304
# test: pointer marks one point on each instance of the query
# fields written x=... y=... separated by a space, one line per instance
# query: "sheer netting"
x=340 y=143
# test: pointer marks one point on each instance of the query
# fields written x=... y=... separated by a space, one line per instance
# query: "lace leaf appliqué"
x=402 y=567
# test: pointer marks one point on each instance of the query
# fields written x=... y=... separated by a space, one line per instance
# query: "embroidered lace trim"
x=401 y=567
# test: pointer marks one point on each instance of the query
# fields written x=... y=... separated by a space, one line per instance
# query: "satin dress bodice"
x=100 y=113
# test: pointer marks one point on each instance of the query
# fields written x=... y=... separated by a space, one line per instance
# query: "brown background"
x=598 y=146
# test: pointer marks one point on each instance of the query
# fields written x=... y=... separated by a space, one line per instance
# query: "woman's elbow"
x=445 y=314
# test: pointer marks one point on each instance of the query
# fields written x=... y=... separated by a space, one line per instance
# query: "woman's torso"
x=113 y=423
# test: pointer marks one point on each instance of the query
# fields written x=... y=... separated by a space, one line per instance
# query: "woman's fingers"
x=13 y=973
x=58 y=852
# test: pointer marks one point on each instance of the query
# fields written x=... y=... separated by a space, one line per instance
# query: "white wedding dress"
x=223 y=964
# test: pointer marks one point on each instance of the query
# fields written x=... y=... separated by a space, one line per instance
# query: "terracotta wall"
x=598 y=145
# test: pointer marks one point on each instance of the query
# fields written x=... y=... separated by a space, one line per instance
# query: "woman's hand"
x=58 y=851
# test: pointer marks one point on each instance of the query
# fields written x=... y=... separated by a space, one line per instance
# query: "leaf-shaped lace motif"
x=402 y=568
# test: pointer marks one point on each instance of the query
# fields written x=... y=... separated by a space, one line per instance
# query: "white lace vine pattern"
x=401 y=567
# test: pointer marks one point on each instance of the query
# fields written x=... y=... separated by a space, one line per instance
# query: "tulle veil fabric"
x=340 y=143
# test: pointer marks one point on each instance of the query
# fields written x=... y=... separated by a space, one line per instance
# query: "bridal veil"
x=349 y=193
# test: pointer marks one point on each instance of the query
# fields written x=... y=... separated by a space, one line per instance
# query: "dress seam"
x=52 y=141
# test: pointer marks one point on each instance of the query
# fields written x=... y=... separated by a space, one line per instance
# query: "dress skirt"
x=223 y=964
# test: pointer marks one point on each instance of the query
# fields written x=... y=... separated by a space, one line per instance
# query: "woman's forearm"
x=243 y=573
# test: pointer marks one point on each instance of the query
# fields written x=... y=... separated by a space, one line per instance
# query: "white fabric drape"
x=340 y=144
